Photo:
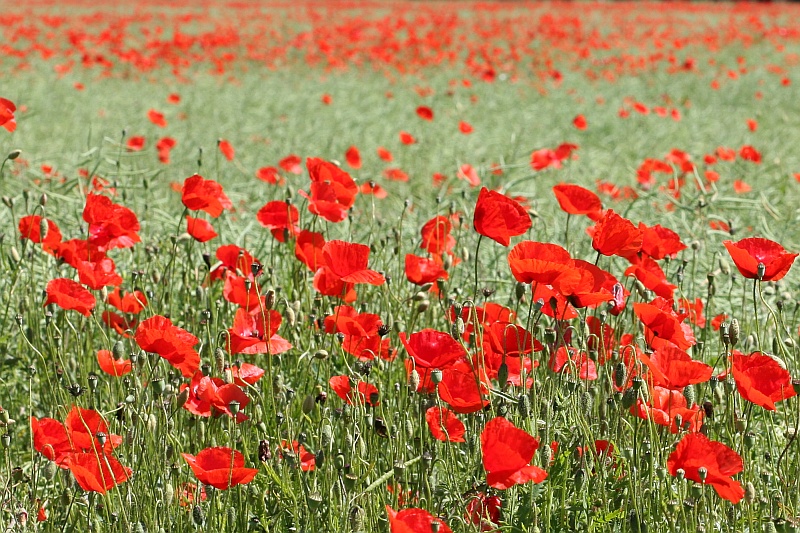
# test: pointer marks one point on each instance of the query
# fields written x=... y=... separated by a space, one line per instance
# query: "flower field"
x=399 y=267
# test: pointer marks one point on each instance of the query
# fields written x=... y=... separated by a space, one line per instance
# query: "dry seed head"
x=734 y=332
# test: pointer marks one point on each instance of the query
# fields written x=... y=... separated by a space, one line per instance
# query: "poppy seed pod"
x=734 y=332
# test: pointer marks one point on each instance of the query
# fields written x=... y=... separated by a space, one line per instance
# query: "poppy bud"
x=734 y=332
x=413 y=380
x=338 y=461
x=749 y=492
x=321 y=355
x=182 y=397
x=502 y=375
x=308 y=404
x=423 y=306
x=524 y=405
x=356 y=519
x=50 y=470
x=43 y=228
x=8 y=201
x=629 y=398
x=326 y=435
x=197 y=516
x=586 y=403
x=14 y=154
x=689 y=394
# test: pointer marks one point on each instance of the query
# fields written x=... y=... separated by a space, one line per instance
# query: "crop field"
x=407 y=267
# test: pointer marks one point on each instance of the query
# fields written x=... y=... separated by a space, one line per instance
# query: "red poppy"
x=577 y=200
x=674 y=369
x=669 y=408
x=199 y=194
x=362 y=338
x=615 y=235
x=538 y=262
x=468 y=173
x=507 y=453
x=327 y=99
x=232 y=259
x=395 y=174
x=414 y=520
x=370 y=187
x=213 y=397
x=132 y=302
x=252 y=334
x=7 y=119
x=30 y=227
x=345 y=264
x=461 y=390
x=118 y=323
x=385 y=154
x=111 y=366
x=270 y=175
x=246 y=374
x=588 y=286
x=158 y=335
x=200 y=230
x=110 y=225
x=292 y=164
x=354 y=392
x=174 y=98
x=498 y=217
x=740 y=187
x=157 y=118
x=748 y=153
x=430 y=349
x=353 y=157
x=664 y=325
x=444 y=425
x=280 y=218
x=226 y=149
x=236 y=291
x=136 y=144
x=97 y=472
x=579 y=122
x=308 y=249
x=484 y=510
x=98 y=273
x=164 y=147
x=567 y=358
x=407 y=138
x=220 y=467
x=308 y=461
x=761 y=379
x=424 y=112
x=747 y=254
x=650 y=274
x=333 y=191
x=50 y=438
x=659 y=242
x=465 y=127
x=68 y=294
x=436 y=238
x=696 y=451
x=420 y=270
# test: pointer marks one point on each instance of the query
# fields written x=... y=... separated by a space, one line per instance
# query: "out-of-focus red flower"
x=291 y=164
x=201 y=230
x=747 y=254
x=414 y=520
x=579 y=122
x=507 y=454
x=465 y=127
x=136 y=143
x=498 y=217
x=370 y=187
x=353 y=157
x=761 y=379
x=226 y=149
x=158 y=335
x=164 y=147
x=395 y=174
x=333 y=191
x=200 y=194
x=424 y=112
x=748 y=153
x=385 y=154
x=696 y=451
x=157 y=118
x=407 y=138
x=68 y=294
x=327 y=99
x=174 y=98
x=354 y=392
x=221 y=467
x=307 y=460
x=7 y=119
x=270 y=175
x=444 y=425
x=468 y=173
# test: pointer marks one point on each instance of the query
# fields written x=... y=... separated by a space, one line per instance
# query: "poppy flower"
x=226 y=149
x=370 y=187
x=498 y=217
x=270 y=175
x=164 y=146
x=579 y=122
x=650 y=274
x=110 y=225
x=430 y=349
x=673 y=368
x=436 y=238
x=507 y=453
x=98 y=273
x=68 y=294
x=696 y=451
x=444 y=425
x=131 y=302
x=461 y=390
x=748 y=153
x=425 y=113
x=537 y=262
x=158 y=335
x=157 y=118
x=246 y=374
x=327 y=99
x=465 y=127
x=308 y=461
x=199 y=229
x=252 y=334
x=468 y=173
x=136 y=143
x=333 y=191
x=50 y=438
x=747 y=254
x=97 y=472
x=345 y=264
x=174 y=98
x=242 y=291
x=308 y=249
x=221 y=467
x=414 y=520
x=659 y=242
x=587 y=285
x=200 y=194
x=407 y=138
x=560 y=362
x=362 y=338
x=484 y=510
x=664 y=325
x=395 y=174
x=669 y=408
x=576 y=200
x=292 y=164
x=7 y=119
x=111 y=366
x=354 y=392
x=212 y=397
x=385 y=154
x=280 y=218
x=761 y=379
x=420 y=270
x=232 y=259
x=353 y=157
x=615 y=235
x=30 y=228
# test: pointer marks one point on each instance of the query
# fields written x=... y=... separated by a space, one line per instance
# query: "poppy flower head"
x=761 y=379
x=615 y=235
x=7 y=119
x=158 y=335
x=444 y=425
x=507 y=453
x=414 y=520
x=110 y=225
x=220 y=467
x=353 y=157
x=696 y=451
x=69 y=294
x=280 y=218
x=576 y=200
x=226 y=149
x=199 y=229
x=499 y=217
x=333 y=191
x=200 y=194
x=747 y=254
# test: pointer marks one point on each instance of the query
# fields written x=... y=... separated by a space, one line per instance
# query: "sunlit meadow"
x=404 y=267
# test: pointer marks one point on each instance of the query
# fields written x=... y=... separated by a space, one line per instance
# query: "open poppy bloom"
x=200 y=230
x=747 y=254
x=421 y=270
x=98 y=273
x=130 y=302
x=538 y=262
x=424 y=112
x=221 y=467
x=232 y=259
x=57 y=441
x=97 y=472
x=157 y=118
x=507 y=453
x=292 y=164
x=280 y=218
x=353 y=392
x=362 y=338
x=200 y=194
x=257 y=333
x=164 y=146
x=353 y=157
x=615 y=235
x=307 y=460
x=111 y=366
x=484 y=510
x=68 y=294
x=7 y=119
x=576 y=200
x=444 y=425
x=669 y=408
x=761 y=379
x=696 y=451
x=436 y=238
x=673 y=368
x=158 y=335
x=659 y=242
x=270 y=175
x=30 y=227
x=429 y=350
x=345 y=265
x=499 y=217
x=663 y=325
x=226 y=149
x=110 y=225
x=210 y=396
x=308 y=249
x=333 y=191
x=461 y=390
x=414 y=520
